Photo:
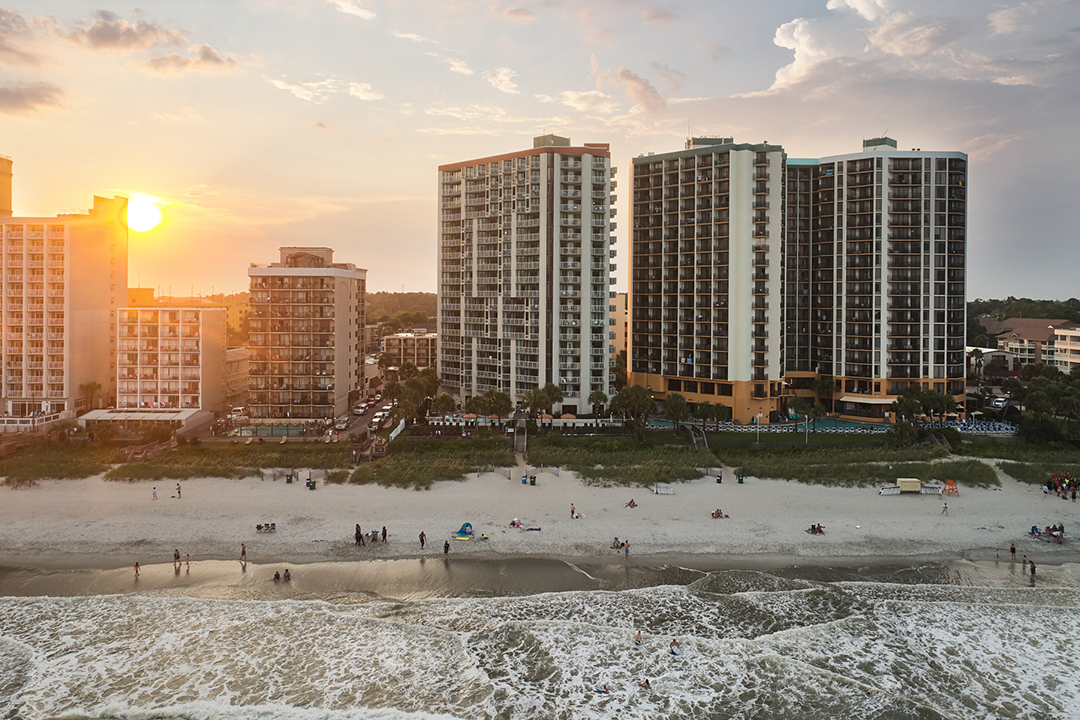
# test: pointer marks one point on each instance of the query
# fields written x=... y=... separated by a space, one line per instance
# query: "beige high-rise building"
x=525 y=263
x=419 y=347
x=63 y=279
x=307 y=318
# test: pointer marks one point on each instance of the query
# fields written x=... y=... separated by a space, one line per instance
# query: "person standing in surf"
x=423 y=539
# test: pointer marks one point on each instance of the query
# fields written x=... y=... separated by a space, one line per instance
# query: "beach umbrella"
x=567 y=416
x=545 y=416
x=469 y=416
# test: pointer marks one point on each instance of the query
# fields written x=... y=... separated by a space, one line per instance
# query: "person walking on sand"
x=177 y=491
x=423 y=539
x=384 y=533
x=1032 y=571
x=945 y=508
x=136 y=569
x=155 y=492
x=187 y=560
x=572 y=511
x=1012 y=551
x=176 y=556
x=243 y=552
x=1025 y=562
x=446 y=547
x=626 y=549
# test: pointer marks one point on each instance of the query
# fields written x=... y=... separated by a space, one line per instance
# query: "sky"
x=262 y=123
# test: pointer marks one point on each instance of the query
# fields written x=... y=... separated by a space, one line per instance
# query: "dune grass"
x=418 y=464
x=619 y=461
x=57 y=461
x=1038 y=473
x=232 y=461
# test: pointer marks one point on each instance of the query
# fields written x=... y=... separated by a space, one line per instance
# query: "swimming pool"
x=833 y=425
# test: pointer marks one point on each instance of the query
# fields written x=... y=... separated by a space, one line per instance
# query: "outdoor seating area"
x=974 y=427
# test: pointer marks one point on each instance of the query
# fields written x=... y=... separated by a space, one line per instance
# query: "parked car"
x=360 y=409
x=999 y=403
x=342 y=424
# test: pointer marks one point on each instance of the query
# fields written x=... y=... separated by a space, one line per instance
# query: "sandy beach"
x=94 y=523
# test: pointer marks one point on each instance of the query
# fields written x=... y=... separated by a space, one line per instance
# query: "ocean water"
x=927 y=642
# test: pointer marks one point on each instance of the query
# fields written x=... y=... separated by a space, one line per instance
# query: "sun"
x=143 y=212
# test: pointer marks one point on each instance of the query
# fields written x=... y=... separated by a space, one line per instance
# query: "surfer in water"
x=645 y=684
x=674 y=647
x=637 y=638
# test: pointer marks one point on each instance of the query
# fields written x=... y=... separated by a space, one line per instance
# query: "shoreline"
x=93 y=524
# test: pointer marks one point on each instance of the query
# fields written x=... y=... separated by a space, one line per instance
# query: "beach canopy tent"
x=465 y=533
x=951 y=489
x=567 y=416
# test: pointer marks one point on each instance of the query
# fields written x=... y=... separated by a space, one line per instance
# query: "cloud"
x=1007 y=20
x=638 y=88
x=501 y=80
x=351 y=7
x=1014 y=80
x=413 y=36
x=185 y=114
x=205 y=60
x=867 y=9
x=459 y=66
x=519 y=15
x=309 y=91
x=716 y=49
x=14 y=28
x=27 y=98
x=364 y=91
x=673 y=77
x=658 y=16
x=902 y=35
x=588 y=101
x=319 y=125
x=472 y=113
x=108 y=31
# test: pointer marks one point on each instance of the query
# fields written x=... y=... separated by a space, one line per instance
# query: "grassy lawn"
x=233 y=461
x=419 y=463
x=619 y=461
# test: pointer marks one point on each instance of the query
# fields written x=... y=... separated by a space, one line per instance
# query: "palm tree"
x=597 y=398
x=552 y=394
x=408 y=370
x=676 y=410
x=636 y=403
x=90 y=389
x=499 y=403
x=444 y=404
x=824 y=389
x=535 y=400
x=619 y=380
x=977 y=363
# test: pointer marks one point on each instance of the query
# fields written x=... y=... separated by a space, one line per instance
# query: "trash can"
x=532 y=479
x=311 y=484
x=288 y=479
x=719 y=479
x=524 y=479
x=740 y=479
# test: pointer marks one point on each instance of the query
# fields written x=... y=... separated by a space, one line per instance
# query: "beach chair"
x=273 y=527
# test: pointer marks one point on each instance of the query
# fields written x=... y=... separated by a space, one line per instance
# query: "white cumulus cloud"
x=364 y=91
x=351 y=7
x=502 y=79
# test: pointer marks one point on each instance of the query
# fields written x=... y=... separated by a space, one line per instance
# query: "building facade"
x=760 y=275
x=237 y=376
x=171 y=358
x=63 y=279
x=525 y=265
x=706 y=275
x=419 y=348
x=307 y=318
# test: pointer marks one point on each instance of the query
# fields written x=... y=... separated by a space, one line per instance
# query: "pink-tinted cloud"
x=205 y=60
x=28 y=98
x=108 y=31
x=519 y=15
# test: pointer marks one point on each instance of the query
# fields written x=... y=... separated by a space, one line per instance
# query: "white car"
x=342 y=424
x=999 y=403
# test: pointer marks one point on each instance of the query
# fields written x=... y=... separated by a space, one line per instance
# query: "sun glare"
x=143 y=212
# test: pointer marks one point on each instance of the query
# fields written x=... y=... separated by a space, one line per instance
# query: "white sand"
x=94 y=523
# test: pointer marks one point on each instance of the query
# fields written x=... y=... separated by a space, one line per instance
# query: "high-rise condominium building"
x=706 y=275
x=307 y=314
x=525 y=271
x=848 y=268
x=417 y=346
x=63 y=279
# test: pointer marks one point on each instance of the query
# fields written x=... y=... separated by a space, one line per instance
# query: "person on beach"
x=423 y=539
x=176 y=556
x=243 y=552
x=155 y=492
x=384 y=533
x=177 y=491
x=277 y=577
x=616 y=545
x=631 y=504
x=645 y=684
x=187 y=560
x=446 y=547
x=945 y=509
x=1025 y=562
x=288 y=575
x=573 y=512
x=626 y=548
x=1032 y=571
x=637 y=638
x=1012 y=551
x=136 y=569
x=359 y=535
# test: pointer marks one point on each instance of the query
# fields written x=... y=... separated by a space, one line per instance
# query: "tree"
x=552 y=395
x=535 y=400
x=676 y=410
x=90 y=389
x=619 y=379
x=444 y=404
x=430 y=378
x=801 y=406
x=499 y=403
x=906 y=408
x=824 y=389
x=703 y=411
x=392 y=390
x=387 y=361
x=1015 y=389
x=408 y=370
x=477 y=405
x=597 y=398
x=635 y=403
x=1038 y=403
x=977 y=363
x=992 y=369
